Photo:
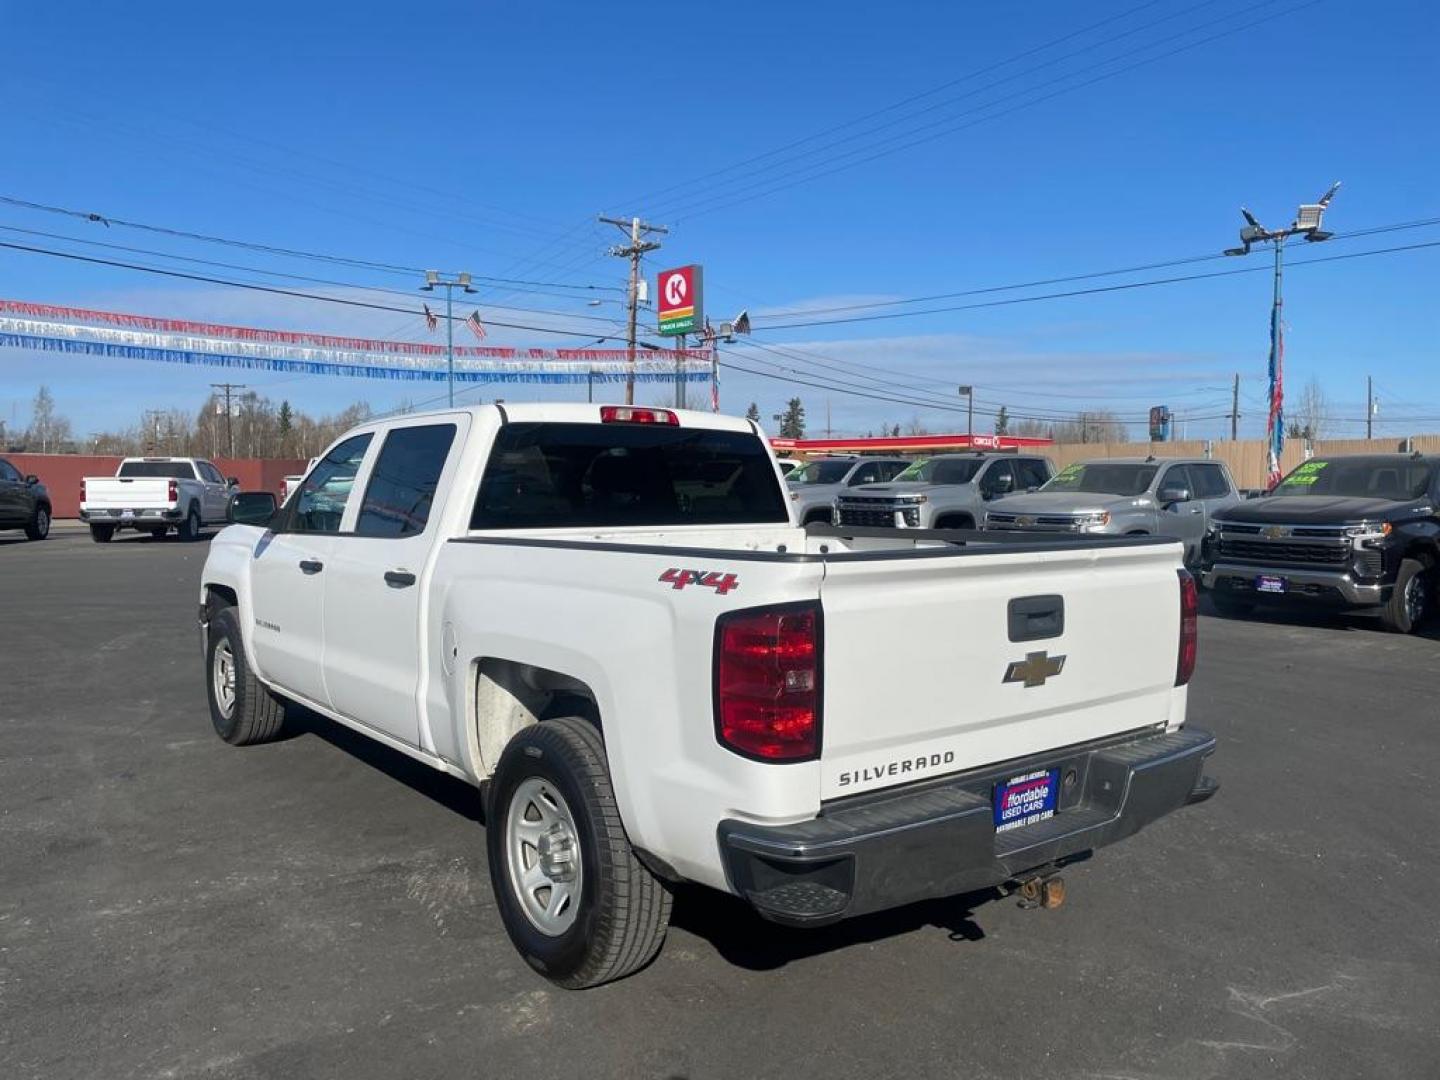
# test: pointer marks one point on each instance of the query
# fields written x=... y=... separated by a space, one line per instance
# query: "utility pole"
x=1369 y=407
x=228 y=388
x=434 y=281
x=1308 y=220
x=638 y=246
x=1235 y=409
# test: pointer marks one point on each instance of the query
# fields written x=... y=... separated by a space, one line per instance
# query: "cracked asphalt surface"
x=173 y=907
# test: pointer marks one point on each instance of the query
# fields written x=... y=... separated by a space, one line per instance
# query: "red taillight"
x=174 y=494
x=625 y=414
x=82 y=491
x=767 y=682
x=1189 y=628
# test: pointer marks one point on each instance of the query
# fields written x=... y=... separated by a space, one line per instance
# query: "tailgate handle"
x=1035 y=618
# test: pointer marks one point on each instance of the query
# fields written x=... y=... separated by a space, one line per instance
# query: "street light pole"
x=433 y=281
x=968 y=392
x=1307 y=223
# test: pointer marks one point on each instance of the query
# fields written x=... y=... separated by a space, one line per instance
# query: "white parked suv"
x=609 y=619
x=155 y=495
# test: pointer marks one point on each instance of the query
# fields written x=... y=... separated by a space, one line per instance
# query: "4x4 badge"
x=1034 y=669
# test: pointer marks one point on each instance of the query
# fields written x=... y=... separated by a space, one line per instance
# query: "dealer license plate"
x=1266 y=583
x=1024 y=800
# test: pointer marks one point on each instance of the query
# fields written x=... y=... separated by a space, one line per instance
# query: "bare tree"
x=49 y=433
x=1310 y=416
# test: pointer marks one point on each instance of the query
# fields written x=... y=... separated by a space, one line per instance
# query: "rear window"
x=165 y=470
x=560 y=475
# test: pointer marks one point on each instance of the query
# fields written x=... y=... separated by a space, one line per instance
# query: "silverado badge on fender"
x=1034 y=669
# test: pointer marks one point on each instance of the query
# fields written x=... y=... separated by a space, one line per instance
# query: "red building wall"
x=62 y=473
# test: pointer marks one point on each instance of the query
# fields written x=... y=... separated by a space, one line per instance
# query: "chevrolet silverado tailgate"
x=938 y=662
x=126 y=492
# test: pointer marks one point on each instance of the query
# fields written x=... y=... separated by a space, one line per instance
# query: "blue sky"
x=487 y=137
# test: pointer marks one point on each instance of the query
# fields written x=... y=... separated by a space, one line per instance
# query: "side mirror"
x=32 y=479
x=1168 y=496
x=232 y=481
x=250 y=508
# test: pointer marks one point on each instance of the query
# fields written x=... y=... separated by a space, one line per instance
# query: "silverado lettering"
x=896 y=768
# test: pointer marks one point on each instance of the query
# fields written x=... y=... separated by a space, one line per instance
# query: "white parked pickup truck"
x=607 y=618
x=155 y=495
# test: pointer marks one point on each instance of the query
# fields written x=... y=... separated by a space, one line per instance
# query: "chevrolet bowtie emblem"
x=1275 y=532
x=1034 y=669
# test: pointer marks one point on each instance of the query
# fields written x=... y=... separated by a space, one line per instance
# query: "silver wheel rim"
x=42 y=522
x=542 y=852
x=222 y=678
x=1415 y=598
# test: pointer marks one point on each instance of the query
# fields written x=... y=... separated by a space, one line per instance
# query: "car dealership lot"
x=172 y=907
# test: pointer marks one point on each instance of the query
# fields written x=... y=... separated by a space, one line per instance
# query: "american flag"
x=476 y=326
x=430 y=321
x=1275 y=429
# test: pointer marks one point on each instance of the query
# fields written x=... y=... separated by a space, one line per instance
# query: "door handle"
x=311 y=566
x=399 y=579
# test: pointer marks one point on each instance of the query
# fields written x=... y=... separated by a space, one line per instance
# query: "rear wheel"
x=102 y=534
x=1409 y=602
x=576 y=902
x=159 y=534
x=241 y=708
x=190 y=528
x=38 y=528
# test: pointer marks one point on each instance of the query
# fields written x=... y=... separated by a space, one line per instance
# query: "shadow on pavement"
x=453 y=794
x=744 y=939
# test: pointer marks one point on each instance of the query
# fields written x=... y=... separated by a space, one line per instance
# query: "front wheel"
x=38 y=528
x=241 y=708
x=1409 y=601
x=576 y=902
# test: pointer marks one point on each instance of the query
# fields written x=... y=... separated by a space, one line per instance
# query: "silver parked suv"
x=815 y=485
x=1125 y=496
x=949 y=491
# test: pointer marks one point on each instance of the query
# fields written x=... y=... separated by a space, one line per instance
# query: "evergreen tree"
x=792 y=422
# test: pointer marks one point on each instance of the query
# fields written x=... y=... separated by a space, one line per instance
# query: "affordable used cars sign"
x=679 y=305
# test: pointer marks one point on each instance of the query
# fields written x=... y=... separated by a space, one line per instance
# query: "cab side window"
x=992 y=484
x=209 y=473
x=1210 y=482
x=320 y=502
x=1031 y=473
x=9 y=472
x=402 y=484
x=1178 y=476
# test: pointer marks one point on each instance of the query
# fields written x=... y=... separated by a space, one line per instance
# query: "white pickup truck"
x=155 y=495
x=607 y=618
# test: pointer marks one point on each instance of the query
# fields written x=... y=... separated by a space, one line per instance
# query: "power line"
x=1096 y=290
x=282 y=274
x=690 y=183
x=271 y=249
x=1119 y=272
x=275 y=290
x=947 y=126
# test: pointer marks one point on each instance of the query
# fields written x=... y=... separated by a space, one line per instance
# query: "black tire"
x=189 y=529
x=38 y=527
x=255 y=714
x=624 y=910
x=102 y=534
x=817 y=517
x=956 y=521
x=1231 y=607
x=1410 y=599
x=159 y=534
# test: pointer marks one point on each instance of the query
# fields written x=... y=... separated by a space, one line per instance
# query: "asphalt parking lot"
x=173 y=907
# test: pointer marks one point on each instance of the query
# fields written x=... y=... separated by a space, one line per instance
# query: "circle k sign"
x=678 y=307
